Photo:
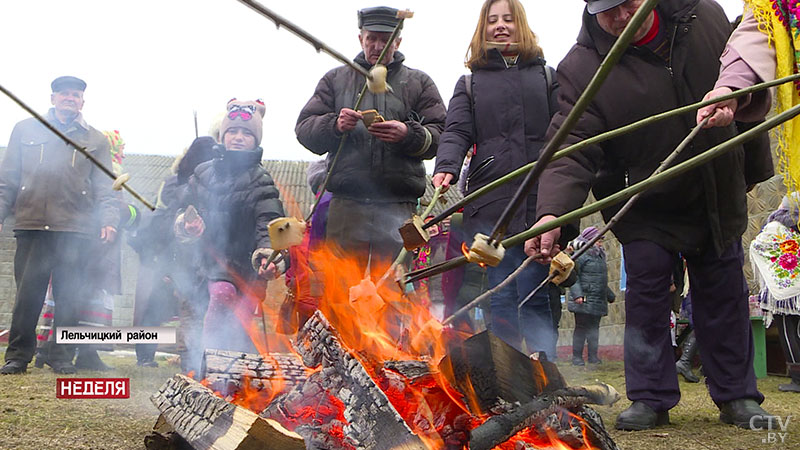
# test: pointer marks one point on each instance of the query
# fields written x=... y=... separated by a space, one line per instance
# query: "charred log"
x=498 y=429
x=207 y=421
x=226 y=371
x=339 y=400
x=492 y=372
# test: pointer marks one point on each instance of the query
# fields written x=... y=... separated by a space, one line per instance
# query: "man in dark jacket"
x=701 y=214
x=379 y=175
x=53 y=192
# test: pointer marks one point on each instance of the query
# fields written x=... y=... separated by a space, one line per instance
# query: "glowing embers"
x=373 y=369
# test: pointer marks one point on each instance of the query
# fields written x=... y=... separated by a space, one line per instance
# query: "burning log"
x=226 y=371
x=492 y=371
x=341 y=404
x=207 y=421
x=498 y=429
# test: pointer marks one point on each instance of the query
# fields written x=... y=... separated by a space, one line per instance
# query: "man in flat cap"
x=379 y=175
x=702 y=214
x=53 y=192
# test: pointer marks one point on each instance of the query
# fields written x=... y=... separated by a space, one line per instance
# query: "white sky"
x=149 y=64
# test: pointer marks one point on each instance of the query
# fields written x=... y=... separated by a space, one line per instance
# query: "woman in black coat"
x=501 y=112
x=228 y=204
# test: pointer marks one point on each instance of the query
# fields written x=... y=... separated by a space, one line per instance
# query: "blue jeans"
x=534 y=322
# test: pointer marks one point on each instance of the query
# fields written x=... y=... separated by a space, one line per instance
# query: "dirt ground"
x=31 y=417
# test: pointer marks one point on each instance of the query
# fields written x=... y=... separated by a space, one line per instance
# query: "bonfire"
x=374 y=369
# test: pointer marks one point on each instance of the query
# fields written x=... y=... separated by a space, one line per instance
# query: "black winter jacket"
x=237 y=198
x=369 y=168
x=702 y=209
x=512 y=109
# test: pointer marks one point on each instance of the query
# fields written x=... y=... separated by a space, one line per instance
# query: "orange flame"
x=465 y=251
x=378 y=322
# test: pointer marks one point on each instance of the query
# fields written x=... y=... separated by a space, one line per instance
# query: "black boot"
x=639 y=416
x=745 y=413
x=88 y=359
x=13 y=367
x=794 y=386
x=684 y=364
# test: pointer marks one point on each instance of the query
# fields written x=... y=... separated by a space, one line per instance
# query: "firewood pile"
x=484 y=394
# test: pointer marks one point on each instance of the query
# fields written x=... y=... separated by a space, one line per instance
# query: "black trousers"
x=587 y=329
x=720 y=314
x=40 y=254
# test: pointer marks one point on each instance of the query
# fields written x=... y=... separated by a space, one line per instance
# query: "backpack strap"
x=548 y=76
x=468 y=86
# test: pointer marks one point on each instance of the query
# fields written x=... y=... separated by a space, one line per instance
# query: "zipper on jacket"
x=73 y=157
x=485 y=163
x=671 y=48
x=481 y=166
x=41 y=153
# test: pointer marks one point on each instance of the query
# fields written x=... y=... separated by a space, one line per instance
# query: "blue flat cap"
x=68 y=82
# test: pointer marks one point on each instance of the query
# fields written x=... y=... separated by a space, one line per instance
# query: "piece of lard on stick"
x=285 y=232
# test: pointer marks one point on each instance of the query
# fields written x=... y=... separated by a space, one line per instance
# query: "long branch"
x=630 y=191
x=77 y=147
x=619 y=47
x=318 y=45
x=324 y=185
x=566 y=151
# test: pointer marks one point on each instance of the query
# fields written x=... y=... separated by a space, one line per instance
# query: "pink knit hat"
x=245 y=114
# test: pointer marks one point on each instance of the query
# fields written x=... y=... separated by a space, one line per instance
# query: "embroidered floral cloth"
x=774 y=256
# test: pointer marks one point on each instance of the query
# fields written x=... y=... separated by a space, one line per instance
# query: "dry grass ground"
x=31 y=417
x=694 y=421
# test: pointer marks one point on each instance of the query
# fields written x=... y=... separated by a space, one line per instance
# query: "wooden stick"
x=318 y=45
x=491 y=291
x=566 y=151
x=403 y=252
x=77 y=147
x=630 y=191
x=572 y=118
x=324 y=185
x=625 y=208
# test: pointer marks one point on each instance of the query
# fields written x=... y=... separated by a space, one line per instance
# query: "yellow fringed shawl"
x=778 y=19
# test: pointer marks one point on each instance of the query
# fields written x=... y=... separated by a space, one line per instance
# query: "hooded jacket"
x=702 y=208
x=507 y=118
x=50 y=186
x=369 y=169
x=237 y=198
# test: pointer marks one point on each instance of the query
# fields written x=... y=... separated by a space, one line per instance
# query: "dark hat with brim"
x=598 y=6
x=67 y=82
x=382 y=19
